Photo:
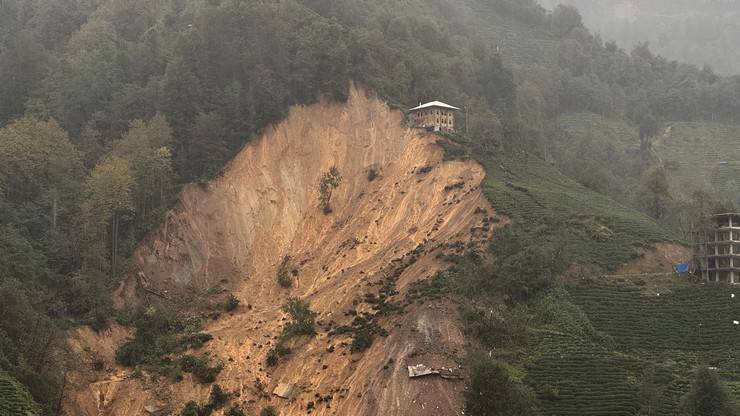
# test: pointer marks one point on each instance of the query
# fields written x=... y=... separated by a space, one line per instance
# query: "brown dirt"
x=659 y=258
x=237 y=230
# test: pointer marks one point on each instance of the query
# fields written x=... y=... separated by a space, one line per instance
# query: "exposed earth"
x=398 y=208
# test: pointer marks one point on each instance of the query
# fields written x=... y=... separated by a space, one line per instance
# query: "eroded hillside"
x=399 y=206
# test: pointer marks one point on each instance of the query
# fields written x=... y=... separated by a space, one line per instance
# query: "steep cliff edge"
x=399 y=206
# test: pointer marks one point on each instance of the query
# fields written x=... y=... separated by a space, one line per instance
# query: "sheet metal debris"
x=421 y=370
x=284 y=390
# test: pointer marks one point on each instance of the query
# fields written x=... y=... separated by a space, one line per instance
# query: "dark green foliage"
x=362 y=340
x=564 y=19
x=216 y=400
x=280 y=350
x=218 y=397
x=564 y=215
x=525 y=266
x=29 y=339
x=302 y=318
x=231 y=303
x=708 y=396
x=235 y=411
x=15 y=399
x=329 y=181
x=192 y=409
x=605 y=348
x=654 y=192
x=268 y=411
x=160 y=335
x=272 y=358
x=201 y=368
x=493 y=391
x=283 y=274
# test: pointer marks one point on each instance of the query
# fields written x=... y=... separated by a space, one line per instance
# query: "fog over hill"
x=698 y=31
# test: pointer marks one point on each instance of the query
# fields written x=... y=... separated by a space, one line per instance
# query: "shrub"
x=159 y=335
x=372 y=174
x=192 y=409
x=303 y=319
x=362 y=340
x=272 y=358
x=235 y=411
x=708 y=397
x=283 y=274
x=200 y=368
x=232 y=302
x=268 y=411
x=493 y=391
x=218 y=397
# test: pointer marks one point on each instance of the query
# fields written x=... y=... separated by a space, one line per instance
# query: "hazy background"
x=695 y=31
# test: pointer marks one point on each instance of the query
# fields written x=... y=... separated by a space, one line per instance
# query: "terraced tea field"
x=702 y=156
x=591 y=226
x=15 y=399
x=646 y=354
x=697 y=156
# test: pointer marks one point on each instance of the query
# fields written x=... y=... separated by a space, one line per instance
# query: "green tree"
x=41 y=173
x=564 y=19
x=30 y=342
x=655 y=193
x=303 y=319
x=109 y=194
x=329 y=181
x=146 y=148
x=708 y=396
x=493 y=391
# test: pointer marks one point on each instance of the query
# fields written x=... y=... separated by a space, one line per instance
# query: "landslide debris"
x=395 y=207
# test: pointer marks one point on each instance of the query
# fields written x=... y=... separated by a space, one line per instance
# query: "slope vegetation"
x=15 y=398
x=603 y=153
x=398 y=208
x=591 y=227
x=624 y=349
x=702 y=156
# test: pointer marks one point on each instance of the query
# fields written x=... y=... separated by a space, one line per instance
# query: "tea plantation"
x=702 y=156
x=590 y=226
x=15 y=399
x=636 y=352
x=696 y=155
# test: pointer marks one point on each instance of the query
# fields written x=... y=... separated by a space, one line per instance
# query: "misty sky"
x=695 y=31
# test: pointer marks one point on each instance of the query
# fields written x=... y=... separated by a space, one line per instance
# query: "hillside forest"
x=108 y=107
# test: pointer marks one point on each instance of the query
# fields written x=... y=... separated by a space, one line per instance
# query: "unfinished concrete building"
x=717 y=249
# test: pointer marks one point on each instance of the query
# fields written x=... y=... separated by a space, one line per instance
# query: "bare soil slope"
x=384 y=232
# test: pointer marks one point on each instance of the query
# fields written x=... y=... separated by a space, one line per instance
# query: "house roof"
x=434 y=104
x=727 y=214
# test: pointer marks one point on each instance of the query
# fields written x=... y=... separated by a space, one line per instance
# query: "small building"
x=435 y=115
x=717 y=249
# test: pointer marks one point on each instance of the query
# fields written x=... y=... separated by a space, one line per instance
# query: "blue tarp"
x=682 y=267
